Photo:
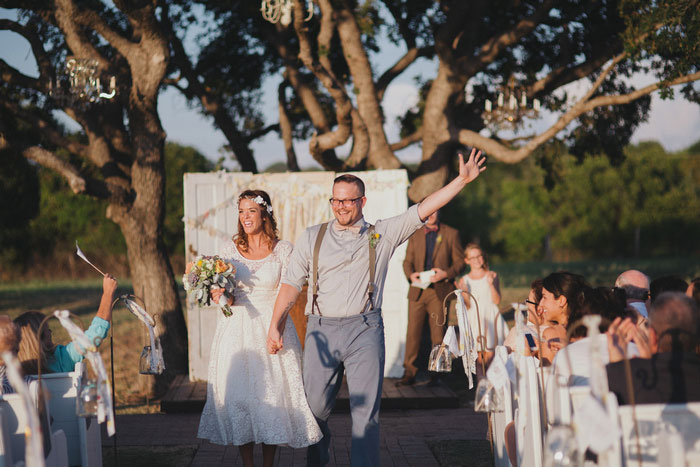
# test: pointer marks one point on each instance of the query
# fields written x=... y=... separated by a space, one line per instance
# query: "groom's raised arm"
x=468 y=171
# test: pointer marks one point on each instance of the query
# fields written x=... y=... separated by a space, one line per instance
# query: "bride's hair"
x=262 y=199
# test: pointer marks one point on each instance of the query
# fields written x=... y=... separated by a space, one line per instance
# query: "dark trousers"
x=428 y=305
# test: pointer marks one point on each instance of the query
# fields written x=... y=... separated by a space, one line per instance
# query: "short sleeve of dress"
x=284 y=253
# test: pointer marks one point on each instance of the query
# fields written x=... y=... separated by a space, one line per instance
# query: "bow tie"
x=350 y=228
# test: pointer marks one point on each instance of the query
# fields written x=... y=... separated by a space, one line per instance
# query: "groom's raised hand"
x=472 y=167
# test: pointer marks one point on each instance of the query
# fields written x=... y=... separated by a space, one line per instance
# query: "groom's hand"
x=275 y=341
x=470 y=168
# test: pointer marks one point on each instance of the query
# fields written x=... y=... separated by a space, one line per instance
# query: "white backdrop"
x=299 y=200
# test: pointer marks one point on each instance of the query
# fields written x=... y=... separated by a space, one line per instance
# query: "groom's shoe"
x=406 y=381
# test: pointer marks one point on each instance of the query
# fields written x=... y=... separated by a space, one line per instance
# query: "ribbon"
x=105 y=406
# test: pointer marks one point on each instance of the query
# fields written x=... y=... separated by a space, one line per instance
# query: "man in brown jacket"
x=435 y=247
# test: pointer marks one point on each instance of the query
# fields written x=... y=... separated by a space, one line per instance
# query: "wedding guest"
x=534 y=320
x=670 y=369
x=572 y=364
x=636 y=287
x=254 y=397
x=435 y=247
x=9 y=342
x=60 y=358
x=484 y=285
x=346 y=261
x=562 y=297
x=663 y=284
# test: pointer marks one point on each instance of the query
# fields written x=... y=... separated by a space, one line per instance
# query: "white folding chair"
x=83 y=436
x=58 y=450
x=652 y=421
x=14 y=421
x=501 y=419
x=528 y=421
x=5 y=446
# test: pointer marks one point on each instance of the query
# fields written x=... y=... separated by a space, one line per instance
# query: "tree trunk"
x=438 y=141
x=380 y=154
x=153 y=281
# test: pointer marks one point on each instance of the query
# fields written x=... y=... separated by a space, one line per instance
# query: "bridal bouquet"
x=208 y=272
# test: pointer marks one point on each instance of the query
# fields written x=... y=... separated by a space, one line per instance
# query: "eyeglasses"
x=531 y=302
x=346 y=203
x=474 y=257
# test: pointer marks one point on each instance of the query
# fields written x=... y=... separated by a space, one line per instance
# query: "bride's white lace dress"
x=253 y=396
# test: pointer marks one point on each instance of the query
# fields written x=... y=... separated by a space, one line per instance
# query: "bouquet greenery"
x=205 y=273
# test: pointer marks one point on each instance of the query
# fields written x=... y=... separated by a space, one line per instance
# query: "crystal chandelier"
x=79 y=83
x=510 y=109
x=281 y=11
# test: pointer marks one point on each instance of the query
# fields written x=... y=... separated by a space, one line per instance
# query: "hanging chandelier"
x=280 y=11
x=79 y=83
x=509 y=109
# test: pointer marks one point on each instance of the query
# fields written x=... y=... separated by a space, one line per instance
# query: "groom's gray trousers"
x=354 y=345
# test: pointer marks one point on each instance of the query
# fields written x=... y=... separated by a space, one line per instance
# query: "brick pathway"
x=404 y=437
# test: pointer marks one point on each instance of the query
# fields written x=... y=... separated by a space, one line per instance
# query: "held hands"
x=471 y=169
x=275 y=340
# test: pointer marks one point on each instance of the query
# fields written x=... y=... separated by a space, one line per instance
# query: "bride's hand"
x=217 y=293
x=275 y=341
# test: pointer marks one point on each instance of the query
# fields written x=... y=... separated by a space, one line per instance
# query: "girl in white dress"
x=484 y=285
x=252 y=396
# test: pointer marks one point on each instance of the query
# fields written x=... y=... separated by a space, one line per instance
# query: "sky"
x=674 y=123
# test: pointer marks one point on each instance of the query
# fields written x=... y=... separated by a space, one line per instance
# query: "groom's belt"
x=372 y=268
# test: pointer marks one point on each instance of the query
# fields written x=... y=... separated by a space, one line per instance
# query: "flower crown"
x=259 y=200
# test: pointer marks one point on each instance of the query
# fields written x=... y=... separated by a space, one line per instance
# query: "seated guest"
x=534 y=319
x=562 y=298
x=636 y=287
x=672 y=372
x=572 y=364
x=666 y=284
x=9 y=342
x=60 y=358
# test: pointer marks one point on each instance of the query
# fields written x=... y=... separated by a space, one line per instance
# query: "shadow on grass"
x=151 y=456
x=462 y=453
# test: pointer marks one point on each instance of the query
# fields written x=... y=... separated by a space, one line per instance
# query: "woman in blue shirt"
x=60 y=358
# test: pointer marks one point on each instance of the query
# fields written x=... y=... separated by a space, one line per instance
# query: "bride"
x=252 y=396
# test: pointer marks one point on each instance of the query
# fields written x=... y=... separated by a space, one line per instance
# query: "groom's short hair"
x=348 y=178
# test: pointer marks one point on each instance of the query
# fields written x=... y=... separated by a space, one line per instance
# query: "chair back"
x=14 y=421
x=503 y=418
x=528 y=425
x=83 y=436
x=664 y=431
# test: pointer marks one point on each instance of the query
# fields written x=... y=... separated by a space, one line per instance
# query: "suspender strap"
x=372 y=267
x=314 y=285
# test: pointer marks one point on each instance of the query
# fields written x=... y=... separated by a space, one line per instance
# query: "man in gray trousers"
x=345 y=261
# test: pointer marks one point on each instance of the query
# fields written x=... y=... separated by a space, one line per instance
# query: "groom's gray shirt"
x=343 y=263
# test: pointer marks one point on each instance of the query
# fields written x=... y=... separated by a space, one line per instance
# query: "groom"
x=345 y=261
